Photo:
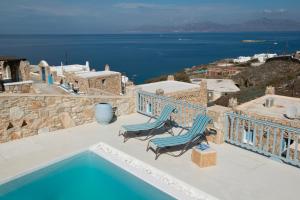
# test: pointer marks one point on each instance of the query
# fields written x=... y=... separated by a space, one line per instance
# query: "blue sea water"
x=82 y=177
x=142 y=56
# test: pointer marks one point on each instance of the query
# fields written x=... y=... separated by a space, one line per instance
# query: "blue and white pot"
x=104 y=113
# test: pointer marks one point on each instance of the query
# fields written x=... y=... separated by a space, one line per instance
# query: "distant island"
x=253 y=41
x=256 y=25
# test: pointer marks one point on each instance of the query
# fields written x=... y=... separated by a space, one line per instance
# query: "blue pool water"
x=85 y=176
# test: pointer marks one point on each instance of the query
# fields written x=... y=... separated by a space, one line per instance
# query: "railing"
x=264 y=137
x=151 y=105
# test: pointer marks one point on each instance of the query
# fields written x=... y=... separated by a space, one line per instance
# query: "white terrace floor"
x=239 y=174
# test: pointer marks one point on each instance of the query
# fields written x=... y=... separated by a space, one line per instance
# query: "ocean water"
x=142 y=56
x=82 y=177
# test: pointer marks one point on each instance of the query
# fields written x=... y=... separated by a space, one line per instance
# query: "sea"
x=143 y=56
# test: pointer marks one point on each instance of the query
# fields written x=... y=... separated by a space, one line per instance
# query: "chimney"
x=87 y=66
x=170 y=78
x=106 y=67
x=270 y=90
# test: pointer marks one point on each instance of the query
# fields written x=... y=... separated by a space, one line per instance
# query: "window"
x=103 y=81
x=149 y=108
x=248 y=137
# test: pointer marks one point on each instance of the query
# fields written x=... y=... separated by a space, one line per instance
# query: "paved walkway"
x=239 y=174
x=44 y=88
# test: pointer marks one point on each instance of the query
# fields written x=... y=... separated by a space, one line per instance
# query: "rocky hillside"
x=284 y=75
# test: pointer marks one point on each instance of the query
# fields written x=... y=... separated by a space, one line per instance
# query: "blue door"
x=50 y=79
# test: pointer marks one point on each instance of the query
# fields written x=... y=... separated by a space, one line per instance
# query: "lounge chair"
x=161 y=122
x=192 y=136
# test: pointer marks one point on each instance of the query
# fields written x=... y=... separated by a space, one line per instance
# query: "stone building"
x=13 y=69
x=51 y=74
x=297 y=55
x=217 y=87
x=179 y=90
x=92 y=81
x=281 y=110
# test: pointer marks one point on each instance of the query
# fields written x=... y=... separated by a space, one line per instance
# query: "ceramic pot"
x=104 y=113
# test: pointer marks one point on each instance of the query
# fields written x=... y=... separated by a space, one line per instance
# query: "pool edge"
x=157 y=178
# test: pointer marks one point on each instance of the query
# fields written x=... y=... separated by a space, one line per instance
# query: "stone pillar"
x=170 y=78
x=2 y=68
x=106 y=67
x=25 y=70
x=203 y=93
x=217 y=113
x=270 y=90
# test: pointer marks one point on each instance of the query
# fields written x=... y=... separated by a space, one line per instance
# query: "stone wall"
x=15 y=70
x=197 y=95
x=25 y=115
x=19 y=87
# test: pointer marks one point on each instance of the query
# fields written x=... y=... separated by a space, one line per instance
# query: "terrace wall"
x=23 y=115
x=197 y=96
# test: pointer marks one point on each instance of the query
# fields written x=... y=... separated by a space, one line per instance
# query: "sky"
x=114 y=16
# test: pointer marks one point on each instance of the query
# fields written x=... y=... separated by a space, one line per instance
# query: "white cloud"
x=54 y=10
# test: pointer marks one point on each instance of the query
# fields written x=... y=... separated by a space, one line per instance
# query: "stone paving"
x=239 y=174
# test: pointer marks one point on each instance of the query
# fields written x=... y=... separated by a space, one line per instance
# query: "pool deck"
x=239 y=174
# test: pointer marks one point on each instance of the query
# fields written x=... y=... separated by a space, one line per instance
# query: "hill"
x=255 y=25
x=283 y=74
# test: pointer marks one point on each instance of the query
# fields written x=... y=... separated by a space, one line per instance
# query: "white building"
x=218 y=87
x=242 y=59
x=70 y=68
x=263 y=57
x=260 y=57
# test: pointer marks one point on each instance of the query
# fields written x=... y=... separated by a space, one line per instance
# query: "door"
x=43 y=74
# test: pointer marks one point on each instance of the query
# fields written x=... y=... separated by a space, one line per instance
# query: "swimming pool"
x=83 y=176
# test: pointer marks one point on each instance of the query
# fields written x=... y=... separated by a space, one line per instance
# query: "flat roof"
x=167 y=86
x=278 y=110
x=11 y=58
x=219 y=85
x=96 y=74
x=69 y=68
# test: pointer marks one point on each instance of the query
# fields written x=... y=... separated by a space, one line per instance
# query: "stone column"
x=203 y=93
x=217 y=113
x=25 y=70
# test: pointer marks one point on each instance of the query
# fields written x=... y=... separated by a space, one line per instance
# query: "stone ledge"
x=159 y=179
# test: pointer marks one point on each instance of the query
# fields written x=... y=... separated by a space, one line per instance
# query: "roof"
x=11 y=58
x=43 y=63
x=219 y=85
x=168 y=86
x=278 y=110
x=96 y=74
x=69 y=68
